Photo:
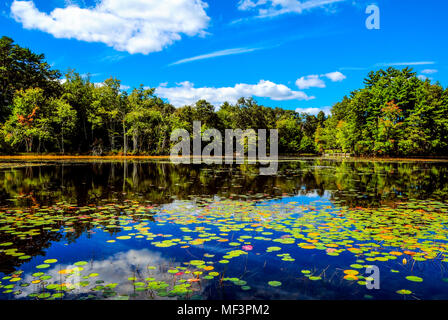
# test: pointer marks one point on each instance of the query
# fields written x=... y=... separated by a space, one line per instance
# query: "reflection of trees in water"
x=357 y=183
x=375 y=183
x=34 y=246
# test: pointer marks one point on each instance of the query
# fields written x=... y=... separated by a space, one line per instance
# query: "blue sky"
x=293 y=54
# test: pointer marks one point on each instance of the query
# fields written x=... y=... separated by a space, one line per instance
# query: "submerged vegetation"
x=395 y=114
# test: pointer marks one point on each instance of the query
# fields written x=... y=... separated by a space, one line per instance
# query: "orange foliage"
x=28 y=120
x=392 y=108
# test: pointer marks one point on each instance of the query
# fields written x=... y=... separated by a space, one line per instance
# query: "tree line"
x=396 y=113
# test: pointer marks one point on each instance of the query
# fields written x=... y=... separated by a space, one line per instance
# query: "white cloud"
x=314 y=111
x=269 y=8
x=115 y=269
x=423 y=78
x=186 y=94
x=430 y=71
x=312 y=81
x=335 y=76
x=315 y=81
x=102 y=84
x=215 y=54
x=135 y=26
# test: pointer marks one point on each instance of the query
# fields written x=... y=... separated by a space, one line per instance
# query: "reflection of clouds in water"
x=276 y=207
x=115 y=269
x=179 y=206
x=315 y=194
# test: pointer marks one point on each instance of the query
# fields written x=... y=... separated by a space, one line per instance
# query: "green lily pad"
x=124 y=238
x=404 y=292
x=414 y=279
x=275 y=283
x=50 y=261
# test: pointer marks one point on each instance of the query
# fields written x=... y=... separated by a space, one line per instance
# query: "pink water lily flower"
x=247 y=248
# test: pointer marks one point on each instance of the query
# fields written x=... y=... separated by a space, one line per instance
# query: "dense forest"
x=395 y=114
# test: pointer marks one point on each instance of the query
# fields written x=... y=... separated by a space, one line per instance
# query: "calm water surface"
x=155 y=230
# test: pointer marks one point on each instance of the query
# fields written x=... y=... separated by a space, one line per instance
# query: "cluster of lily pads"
x=226 y=231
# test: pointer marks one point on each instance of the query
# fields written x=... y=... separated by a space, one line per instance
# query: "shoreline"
x=281 y=158
x=63 y=157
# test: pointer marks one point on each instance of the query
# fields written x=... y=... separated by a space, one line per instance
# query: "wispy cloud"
x=430 y=71
x=215 y=54
x=112 y=58
x=90 y=75
x=397 y=64
x=271 y=8
x=353 y=68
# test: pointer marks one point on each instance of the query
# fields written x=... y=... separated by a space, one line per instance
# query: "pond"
x=149 y=229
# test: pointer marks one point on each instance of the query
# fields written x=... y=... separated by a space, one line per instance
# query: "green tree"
x=65 y=120
x=21 y=69
x=23 y=125
x=290 y=135
x=108 y=110
x=78 y=91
